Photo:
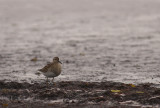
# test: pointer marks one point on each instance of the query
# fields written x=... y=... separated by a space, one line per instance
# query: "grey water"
x=97 y=40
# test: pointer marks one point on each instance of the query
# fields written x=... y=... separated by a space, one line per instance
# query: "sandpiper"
x=52 y=69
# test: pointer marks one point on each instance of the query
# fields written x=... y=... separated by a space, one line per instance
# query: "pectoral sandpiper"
x=52 y=69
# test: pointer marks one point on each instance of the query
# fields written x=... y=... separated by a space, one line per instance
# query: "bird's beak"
x=60 y=62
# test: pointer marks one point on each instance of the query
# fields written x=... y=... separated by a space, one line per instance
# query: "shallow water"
x=103 y=40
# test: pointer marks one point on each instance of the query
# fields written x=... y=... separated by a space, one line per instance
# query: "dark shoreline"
x=76 y=94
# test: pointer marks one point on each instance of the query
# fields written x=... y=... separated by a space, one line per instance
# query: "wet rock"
x=78 y=93
x=156 y=92
x=51 y=94
x=97 y=99
x=154 y=100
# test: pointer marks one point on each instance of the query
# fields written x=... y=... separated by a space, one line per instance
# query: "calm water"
x=96 y=40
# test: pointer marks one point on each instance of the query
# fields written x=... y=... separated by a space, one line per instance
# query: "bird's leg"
x=52 y=80
x=47 y=81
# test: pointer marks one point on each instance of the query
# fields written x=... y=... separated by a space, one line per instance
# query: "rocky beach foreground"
x=76 y=94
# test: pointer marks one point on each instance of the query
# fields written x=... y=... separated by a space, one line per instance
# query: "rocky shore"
x=76 y=94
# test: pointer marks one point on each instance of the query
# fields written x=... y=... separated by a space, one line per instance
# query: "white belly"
x=53 y=71
x=49 y=74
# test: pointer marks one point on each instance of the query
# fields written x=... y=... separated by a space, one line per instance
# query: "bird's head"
x=56 y=60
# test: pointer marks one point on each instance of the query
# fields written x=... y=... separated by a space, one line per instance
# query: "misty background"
x=96 y=40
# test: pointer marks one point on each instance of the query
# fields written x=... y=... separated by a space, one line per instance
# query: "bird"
x=52 y=69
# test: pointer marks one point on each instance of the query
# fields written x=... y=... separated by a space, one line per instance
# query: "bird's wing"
x=45 y=68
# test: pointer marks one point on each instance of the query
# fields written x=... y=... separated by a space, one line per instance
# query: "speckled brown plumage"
x=52 y=69
x=45 y=68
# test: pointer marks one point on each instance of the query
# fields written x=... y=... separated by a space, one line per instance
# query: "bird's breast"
x=56 y=69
